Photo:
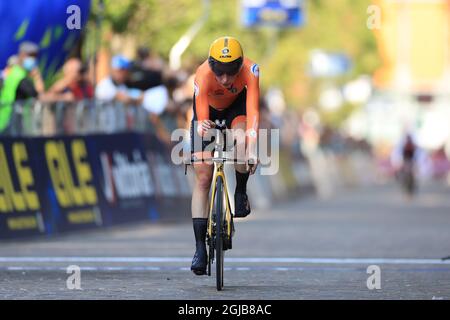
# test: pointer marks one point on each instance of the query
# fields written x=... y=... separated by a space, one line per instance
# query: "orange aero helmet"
x=225 y=56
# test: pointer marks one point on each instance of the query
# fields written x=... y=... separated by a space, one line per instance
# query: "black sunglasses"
x=230 y=73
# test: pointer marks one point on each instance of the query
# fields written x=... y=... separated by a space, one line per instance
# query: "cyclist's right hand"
x=204 y=126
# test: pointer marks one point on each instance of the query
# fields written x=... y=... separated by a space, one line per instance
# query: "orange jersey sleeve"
x=251 y=72
x=201 y=90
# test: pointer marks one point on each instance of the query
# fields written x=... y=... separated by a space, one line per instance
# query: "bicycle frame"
x=218 y=171
x=219 y=161
x=216 y=234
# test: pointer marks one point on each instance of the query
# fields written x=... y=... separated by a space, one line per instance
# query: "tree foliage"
x=334 y=25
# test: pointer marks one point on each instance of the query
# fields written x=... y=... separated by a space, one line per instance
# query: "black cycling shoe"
x=241 y=205
x=200 y=259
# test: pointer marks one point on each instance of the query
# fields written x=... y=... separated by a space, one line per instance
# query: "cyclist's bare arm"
x=252 y=79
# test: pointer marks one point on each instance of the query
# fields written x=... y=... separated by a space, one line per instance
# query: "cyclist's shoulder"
x=203 y=71
x=249 y=62
x=250 y=67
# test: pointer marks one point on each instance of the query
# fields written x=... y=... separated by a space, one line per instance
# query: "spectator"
x=155 y=101
x=148 y=60
x=145 y=72
x=114 y=88
x=74 y=85
x=23 y=81
x=12 y=61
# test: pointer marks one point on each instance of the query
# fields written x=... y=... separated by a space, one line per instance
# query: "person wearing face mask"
x=23 y=81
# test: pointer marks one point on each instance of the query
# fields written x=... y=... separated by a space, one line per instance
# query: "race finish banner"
x=275 y=13
x=59 y=184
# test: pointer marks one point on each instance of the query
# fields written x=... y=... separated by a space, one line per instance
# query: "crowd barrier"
x=36 y=118
x=113 y=170
x=62 y=183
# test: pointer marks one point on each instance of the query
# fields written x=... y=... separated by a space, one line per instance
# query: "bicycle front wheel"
x=218 y=207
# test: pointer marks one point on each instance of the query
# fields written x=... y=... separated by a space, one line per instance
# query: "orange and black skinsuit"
x=235 y=104
x=238 y=103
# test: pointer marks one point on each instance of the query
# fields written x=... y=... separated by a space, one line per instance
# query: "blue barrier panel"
x=172 y=190
x=123 y=178
x=21 y=208
x=59 y=184
x=71 y=195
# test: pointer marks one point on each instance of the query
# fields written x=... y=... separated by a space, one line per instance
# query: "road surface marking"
x=255 y=268
x=359 y=261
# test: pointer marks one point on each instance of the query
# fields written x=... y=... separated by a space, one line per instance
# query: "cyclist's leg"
x=202 y=184
x=203 y=171
x=237 y=117
x=199 y=205
x=242 y=205
x=236 y=120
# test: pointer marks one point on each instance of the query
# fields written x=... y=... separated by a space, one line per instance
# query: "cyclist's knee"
x=241 y=168
x=204 y=181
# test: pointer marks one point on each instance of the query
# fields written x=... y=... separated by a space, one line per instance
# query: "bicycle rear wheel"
x=219 y=233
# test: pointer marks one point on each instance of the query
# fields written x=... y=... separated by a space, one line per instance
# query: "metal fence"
x=36 y=118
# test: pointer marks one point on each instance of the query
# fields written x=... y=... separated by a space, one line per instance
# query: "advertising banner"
x=172 y=188
x=123 y=178
x=21 y=208
x=278 y=13
x=59 y=184
x=67 y=183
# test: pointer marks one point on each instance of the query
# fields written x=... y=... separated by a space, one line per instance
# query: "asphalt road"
x=302 y=249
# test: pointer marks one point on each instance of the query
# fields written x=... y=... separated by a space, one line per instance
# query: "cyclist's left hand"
x=252 y=164
x=252 y=156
